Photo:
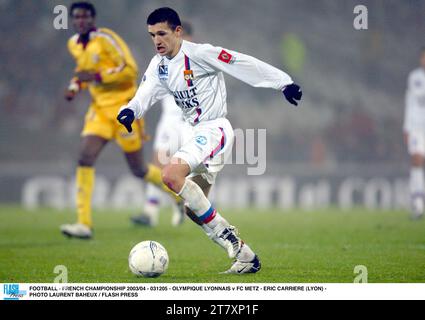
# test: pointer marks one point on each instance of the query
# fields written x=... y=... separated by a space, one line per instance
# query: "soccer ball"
x=148 y=259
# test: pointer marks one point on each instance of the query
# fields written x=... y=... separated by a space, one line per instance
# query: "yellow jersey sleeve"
x=72 y=48
x=118 y=52
x=109 y=57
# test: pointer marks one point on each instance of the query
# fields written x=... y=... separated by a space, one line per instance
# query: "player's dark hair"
x=83 y=5
x=187 y=28
x=164 y=14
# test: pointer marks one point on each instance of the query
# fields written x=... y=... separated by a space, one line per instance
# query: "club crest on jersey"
x=226 y=57
x=201 y=140
x=188 y=75
x=163 y=72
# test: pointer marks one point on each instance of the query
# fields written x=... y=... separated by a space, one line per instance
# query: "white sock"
x=152 y=203
x=214 y=223
x=201 y=206
x=175 y=208
x=246 y=254
x=207 y=230
x=417 y=191
x=417 y=181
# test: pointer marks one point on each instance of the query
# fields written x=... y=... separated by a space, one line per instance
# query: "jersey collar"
x=175 y=58
x=84 y=40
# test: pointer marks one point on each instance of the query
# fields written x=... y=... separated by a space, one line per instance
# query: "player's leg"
x=97 y=131
x=216 y=227
x=175 y=176
x=168 y=139
x=416 y=144
x=195 y=194
x=152 y=175
x=192 y=215
x=417 y=186
x=150 y=213
x=90 y=148
x=131 y=144
x=149 y=173
x=178 y=211
x=205 y=143
x=206 y=187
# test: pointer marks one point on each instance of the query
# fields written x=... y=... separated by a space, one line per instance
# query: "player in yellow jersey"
x=106 y=67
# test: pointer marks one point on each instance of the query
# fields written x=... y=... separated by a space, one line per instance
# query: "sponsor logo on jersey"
x=226 y=57
x=186 y=99
x=201 y=140
x=163 y=72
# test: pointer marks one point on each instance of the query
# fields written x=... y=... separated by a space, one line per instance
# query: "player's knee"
x=172 y=179
x=86 y=159
x=138 y=171
x=417 y=160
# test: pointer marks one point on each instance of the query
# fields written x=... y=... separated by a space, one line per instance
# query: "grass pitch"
x=294 y=246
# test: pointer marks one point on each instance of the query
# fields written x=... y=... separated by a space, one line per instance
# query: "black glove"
x=292 y=92
x=126 y=118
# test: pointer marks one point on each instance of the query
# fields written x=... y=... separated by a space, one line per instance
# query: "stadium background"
x=342 y=147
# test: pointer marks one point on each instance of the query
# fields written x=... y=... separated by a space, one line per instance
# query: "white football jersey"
x=172 y=131
x=195 y=78
x=170 y=111
x=414 y=118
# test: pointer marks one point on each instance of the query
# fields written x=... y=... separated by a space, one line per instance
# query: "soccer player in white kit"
x=414 y=132
x=171 y=132
x=193 y=74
